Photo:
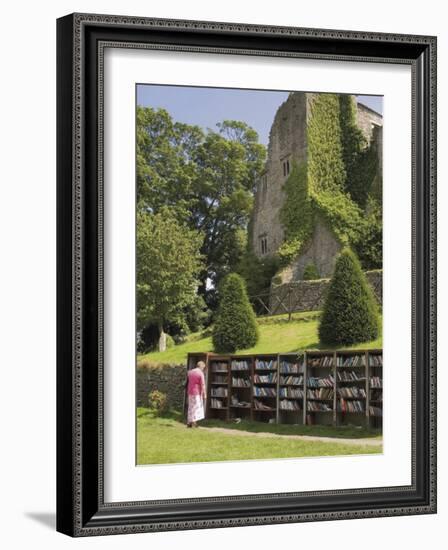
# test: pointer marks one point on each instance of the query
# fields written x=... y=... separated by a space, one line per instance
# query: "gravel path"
x=347 y=441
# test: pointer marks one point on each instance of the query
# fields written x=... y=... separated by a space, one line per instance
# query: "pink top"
x=196 y=382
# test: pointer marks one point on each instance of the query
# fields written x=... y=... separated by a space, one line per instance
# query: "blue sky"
x=207 y=106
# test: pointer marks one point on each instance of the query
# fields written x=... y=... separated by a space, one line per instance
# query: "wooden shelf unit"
x=320 y=397
x=265 y=387
x=291 y=392
x=241 y=376
x=218 y=391
x=352 y=376
x=323 y=386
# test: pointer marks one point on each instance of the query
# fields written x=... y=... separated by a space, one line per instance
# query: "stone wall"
x=310 y=295
x=287 y=143
x=321 y=251
x=368 y=120
x=169 y=379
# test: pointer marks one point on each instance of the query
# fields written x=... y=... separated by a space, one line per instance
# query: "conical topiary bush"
x=350 y=313
x=235 y=325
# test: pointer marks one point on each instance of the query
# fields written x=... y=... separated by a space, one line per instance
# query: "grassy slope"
x=166 y=440
x=276 y=335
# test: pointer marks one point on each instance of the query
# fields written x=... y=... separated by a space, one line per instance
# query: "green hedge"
x=350 y=313
x=235 y=325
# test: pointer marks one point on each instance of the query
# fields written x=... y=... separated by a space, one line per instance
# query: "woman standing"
x=196 y=394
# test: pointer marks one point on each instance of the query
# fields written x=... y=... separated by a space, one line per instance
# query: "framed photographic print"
x=246 y=274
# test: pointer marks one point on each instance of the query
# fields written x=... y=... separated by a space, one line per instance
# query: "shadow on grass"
x=348 y=432
x=171 y=414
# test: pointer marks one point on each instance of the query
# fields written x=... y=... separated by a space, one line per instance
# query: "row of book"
x=314 y=382
x=265 y=378
x=265 y=365
x=291 y=380
x=291 y=368
x=375 y=360
x=219 y=367
x=217 y=403
x=264 y=392
x=352 y=376
x=353 y=391
x=351 y=361
x=292 y=393
x=239 y=382
x=375 y=411
x=324 y=361
x=287 y=405
x=350 y=406
x=219 y=392
x=322 y=393
x=240 y=365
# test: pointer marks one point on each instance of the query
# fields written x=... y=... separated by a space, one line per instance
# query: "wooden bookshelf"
x=320 y=396
x=241 y=377
x=313 y=387
x=352 y=387
x=218 y=394
x=265 y=387
x=291 y=388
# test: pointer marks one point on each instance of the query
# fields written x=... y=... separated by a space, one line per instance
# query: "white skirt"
x=195 y=408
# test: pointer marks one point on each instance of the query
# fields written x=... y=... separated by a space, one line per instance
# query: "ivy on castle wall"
x=326 y=170
x=297 y=214
x=335 y=184
x=360 y=160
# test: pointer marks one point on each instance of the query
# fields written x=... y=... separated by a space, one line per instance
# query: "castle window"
x=286 y=168
x=263 y=244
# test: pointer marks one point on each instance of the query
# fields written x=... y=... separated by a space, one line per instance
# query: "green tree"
x=350 y=313
x=235 y=324
x=206 y=178
x=166 y=167
x=168 y=265
x=257 y=274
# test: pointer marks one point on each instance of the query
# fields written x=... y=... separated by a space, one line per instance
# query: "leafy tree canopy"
x=168 y=266
x=207 y=179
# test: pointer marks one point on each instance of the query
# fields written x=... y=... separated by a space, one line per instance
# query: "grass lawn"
x=276 y=335
x=167 y=440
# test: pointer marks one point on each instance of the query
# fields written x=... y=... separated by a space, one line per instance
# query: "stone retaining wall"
x=169 y=379
x=310 y=295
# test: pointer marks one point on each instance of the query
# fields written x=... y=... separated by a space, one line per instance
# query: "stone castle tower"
x=288 y=144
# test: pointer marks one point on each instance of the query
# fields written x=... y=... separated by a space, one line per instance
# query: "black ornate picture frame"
x=81 y=509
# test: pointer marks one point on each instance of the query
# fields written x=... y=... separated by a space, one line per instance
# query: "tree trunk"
x=162 y=338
